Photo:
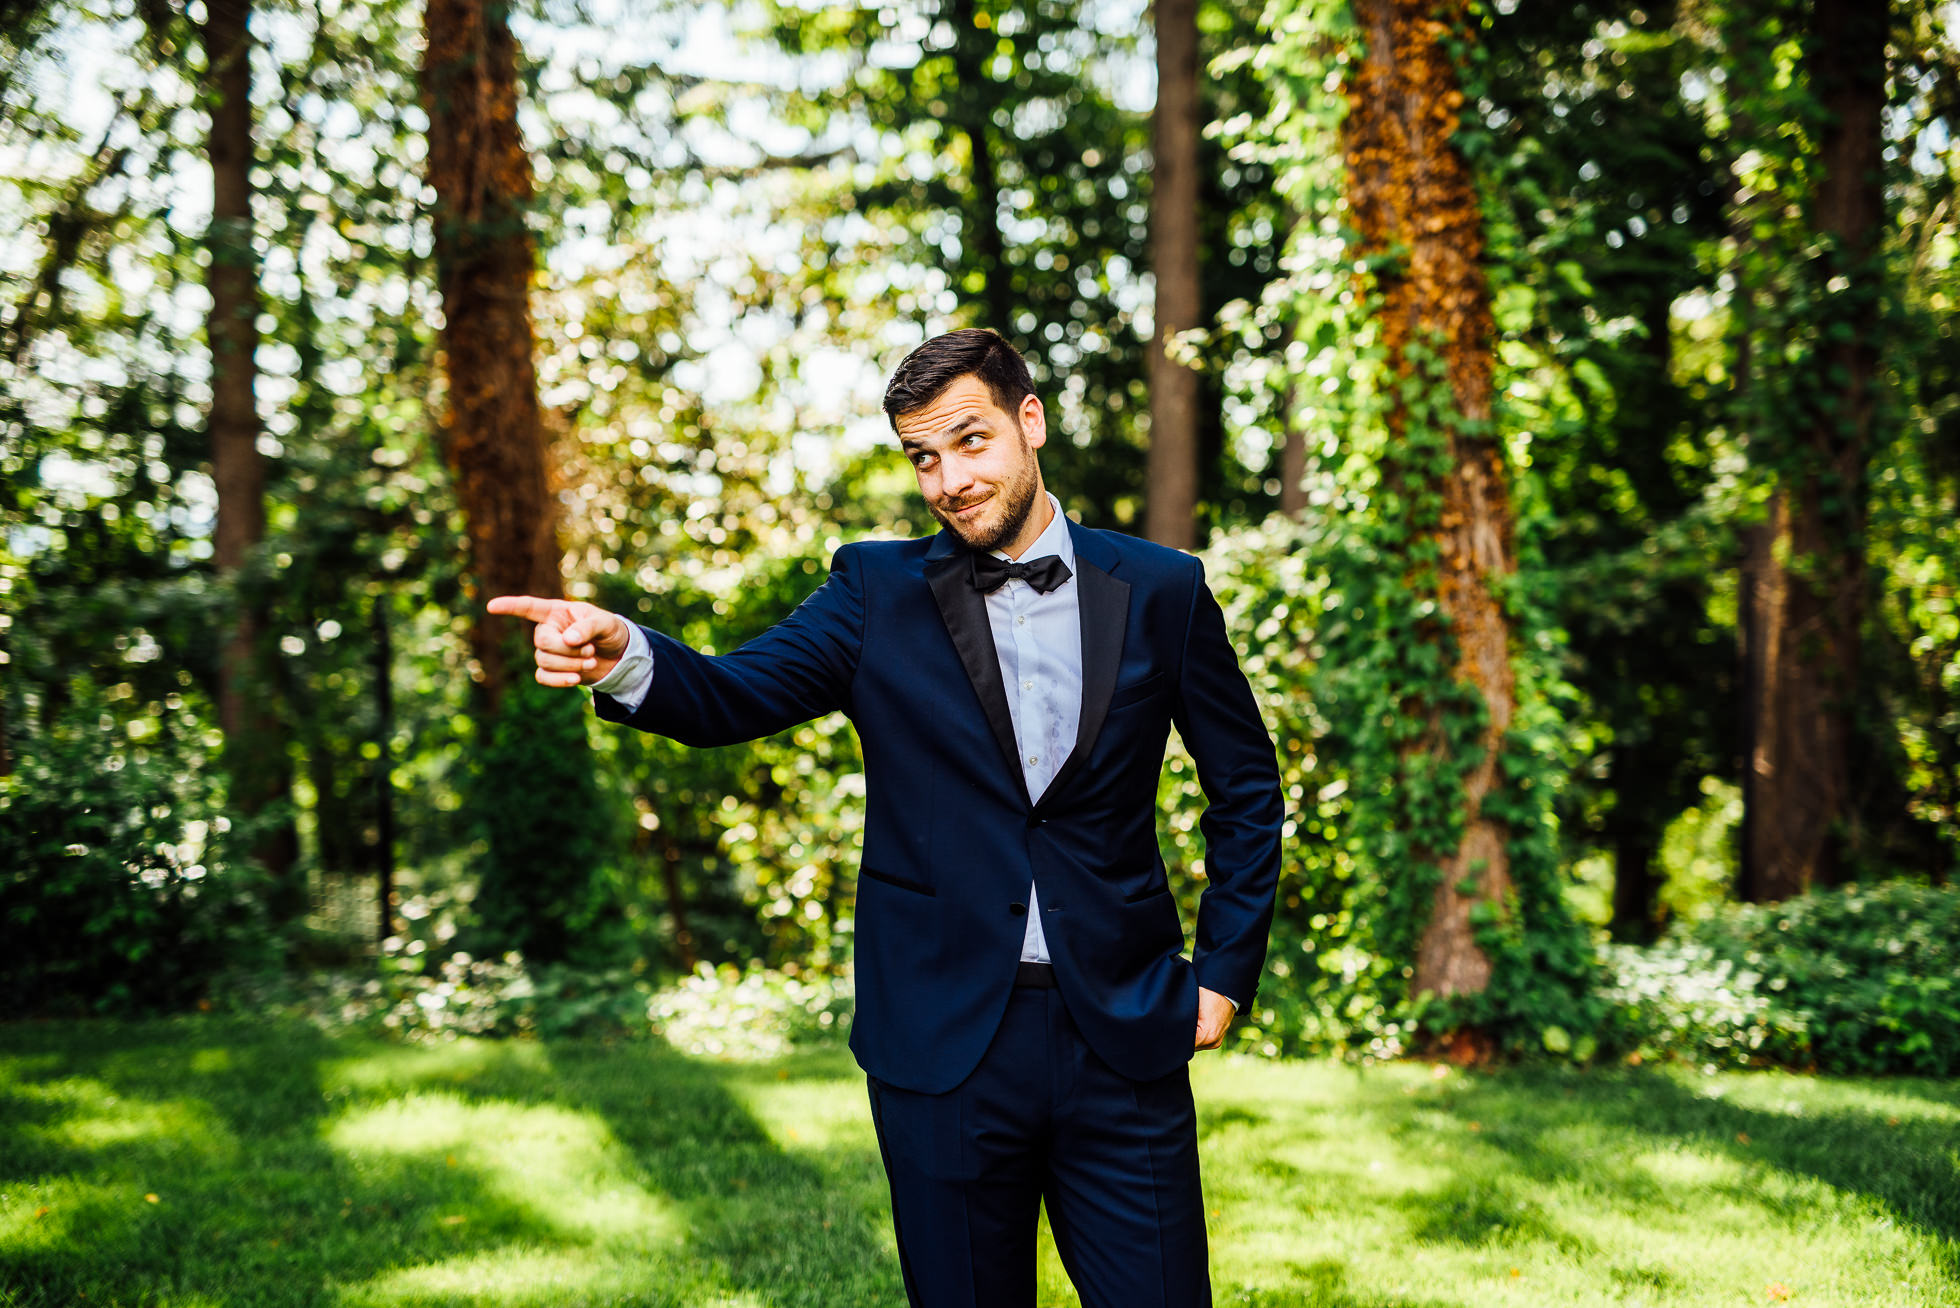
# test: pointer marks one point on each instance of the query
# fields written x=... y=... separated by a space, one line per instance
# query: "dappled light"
x=546 y=716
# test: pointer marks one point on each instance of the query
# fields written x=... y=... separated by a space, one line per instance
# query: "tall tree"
x=534 y=795
x=255 y=754
x=1411 y=193
x=1804 y=584
x=494 y=433
x=1171 y=495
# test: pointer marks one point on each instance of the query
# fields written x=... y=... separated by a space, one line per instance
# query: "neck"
x=1038 y=520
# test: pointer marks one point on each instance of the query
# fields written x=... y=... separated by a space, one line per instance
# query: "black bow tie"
x=1044 y=574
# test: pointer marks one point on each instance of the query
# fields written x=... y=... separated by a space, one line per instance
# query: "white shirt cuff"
x=632 y=676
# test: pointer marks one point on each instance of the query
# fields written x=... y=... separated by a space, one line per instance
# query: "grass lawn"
x=206 y=1163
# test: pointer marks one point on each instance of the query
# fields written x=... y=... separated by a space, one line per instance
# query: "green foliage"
x=119 y=892
x=1380 y=435
x=546 y=838
x=1853 y=980
x=1342 y=941
x=421 y=995
x=1680 y=998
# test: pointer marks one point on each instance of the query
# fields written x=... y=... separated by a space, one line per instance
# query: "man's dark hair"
x=943 y=360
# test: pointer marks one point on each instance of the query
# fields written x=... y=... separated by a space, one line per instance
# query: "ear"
x=1034 y=421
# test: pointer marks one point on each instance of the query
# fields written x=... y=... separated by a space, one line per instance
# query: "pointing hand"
x=577 y=643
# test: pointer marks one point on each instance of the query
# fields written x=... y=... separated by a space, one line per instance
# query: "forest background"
x=1561 y=396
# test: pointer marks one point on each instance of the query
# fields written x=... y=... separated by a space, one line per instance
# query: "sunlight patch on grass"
x=1695 y=1168
x=50 y=1216
x=564 y=1167
x=1805 y=1096
x=455 y=1063
x=807 y=1115
x=516 y=1278
x=119 y=1121
x=212 y=1061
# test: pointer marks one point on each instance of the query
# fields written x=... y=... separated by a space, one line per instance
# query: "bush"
x=1854 y=980
x=545 y=884
x=723 y=1013
x=116 y=893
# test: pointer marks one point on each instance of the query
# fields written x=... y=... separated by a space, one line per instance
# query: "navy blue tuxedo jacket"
x=898 y=639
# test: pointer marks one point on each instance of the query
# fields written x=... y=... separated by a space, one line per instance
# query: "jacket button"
x=1034 y=822
x=1018 y=910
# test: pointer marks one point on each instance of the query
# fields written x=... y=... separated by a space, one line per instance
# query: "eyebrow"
x=971 y=420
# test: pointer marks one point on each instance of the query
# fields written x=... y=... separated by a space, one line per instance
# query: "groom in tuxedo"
x=1025 y=1012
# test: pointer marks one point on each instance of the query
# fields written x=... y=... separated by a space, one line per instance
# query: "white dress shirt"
x=1038 y=639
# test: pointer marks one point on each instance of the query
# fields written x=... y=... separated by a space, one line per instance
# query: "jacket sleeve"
x=1220 y=725
x=799 y=669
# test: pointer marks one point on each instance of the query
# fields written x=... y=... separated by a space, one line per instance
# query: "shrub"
x=1862 y=979
x=116 y=892
x=723 y=1013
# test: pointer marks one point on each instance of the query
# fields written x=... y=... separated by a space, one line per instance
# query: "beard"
x=1013 y=501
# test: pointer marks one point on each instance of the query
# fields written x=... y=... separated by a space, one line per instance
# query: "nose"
x=955 y=478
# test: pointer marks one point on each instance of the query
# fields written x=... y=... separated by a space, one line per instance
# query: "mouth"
x=971 y=509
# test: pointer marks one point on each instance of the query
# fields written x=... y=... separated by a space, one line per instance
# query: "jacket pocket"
x=903 y=883
x=1136 y=690
x=1142 y=895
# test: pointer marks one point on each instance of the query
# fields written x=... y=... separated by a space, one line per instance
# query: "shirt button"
x=1027 y=685
x=1021 y=621
x=1033 y=759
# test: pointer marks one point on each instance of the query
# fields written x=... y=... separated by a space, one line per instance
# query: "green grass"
x=288 y=1168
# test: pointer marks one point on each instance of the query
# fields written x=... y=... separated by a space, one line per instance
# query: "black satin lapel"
x=965 y=612
x=1105 y=611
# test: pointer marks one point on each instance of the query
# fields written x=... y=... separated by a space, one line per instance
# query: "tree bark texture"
x=254 y=751
x=1804 y=573
x=1171 y=496
x=1408 y=187
x=494 y=435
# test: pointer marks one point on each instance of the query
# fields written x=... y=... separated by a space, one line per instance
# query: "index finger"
x=528 y=607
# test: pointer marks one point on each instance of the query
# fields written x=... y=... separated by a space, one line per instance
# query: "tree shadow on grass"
x=290 y=1169
x=803 y=1226
x=1323 y=1283
x=1908 y=1164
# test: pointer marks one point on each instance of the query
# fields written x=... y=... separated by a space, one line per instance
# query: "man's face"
x=975 y=463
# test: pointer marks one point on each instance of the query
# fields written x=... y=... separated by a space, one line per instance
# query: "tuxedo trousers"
x=1043 y=1119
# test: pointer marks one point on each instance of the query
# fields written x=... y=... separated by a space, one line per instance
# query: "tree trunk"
x=1806 y=570
x=1639 y=773
x=384 y=771
x=254 y=752
x=494 y=434
x=1171 y=497
x=1407 y=186
x=543 y=880
x=670 y=872
x=976 y=97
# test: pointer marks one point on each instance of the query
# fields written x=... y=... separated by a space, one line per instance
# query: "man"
x=1025 y=1015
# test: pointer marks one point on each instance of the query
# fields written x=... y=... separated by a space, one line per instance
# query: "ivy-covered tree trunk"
x=1409 y=189
x=1171 y=495
x=1804 y=577
x=534 y=796
x=255 y=755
